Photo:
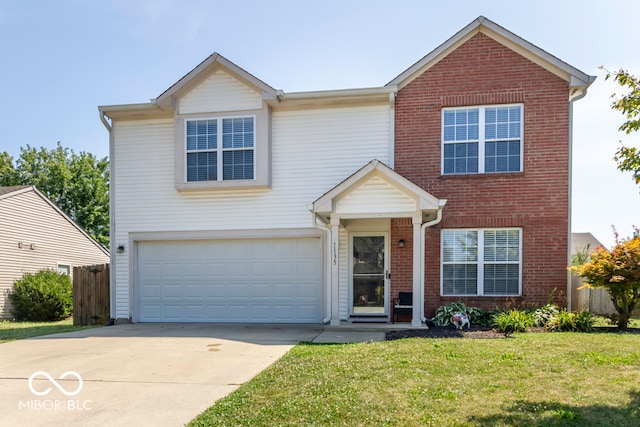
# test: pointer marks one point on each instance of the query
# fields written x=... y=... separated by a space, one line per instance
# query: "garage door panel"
x=260 y=290
x=171 y=270
x=172 y=313
x=193 y=291
x=215 y=290
x=237 y=290
x=260 y=269
x=237 y=269
x=253 y=280
x=307 y=290
x=194 y=312
x=193 y=270
x=171 y=291
x=237 y=312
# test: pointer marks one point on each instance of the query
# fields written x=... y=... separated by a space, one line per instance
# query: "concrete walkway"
x=142 y=374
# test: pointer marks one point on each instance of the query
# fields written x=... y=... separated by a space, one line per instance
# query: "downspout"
x=327 y=272
x=112 y=223
x=570 y=195
x=423 y=230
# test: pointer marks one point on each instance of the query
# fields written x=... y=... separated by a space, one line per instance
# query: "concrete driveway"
x=141 y=374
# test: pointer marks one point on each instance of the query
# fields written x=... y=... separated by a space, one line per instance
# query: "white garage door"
x=257 y=281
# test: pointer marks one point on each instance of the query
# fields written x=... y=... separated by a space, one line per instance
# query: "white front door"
x=369 y=274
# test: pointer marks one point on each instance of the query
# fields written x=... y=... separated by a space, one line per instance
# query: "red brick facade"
x=480 y=72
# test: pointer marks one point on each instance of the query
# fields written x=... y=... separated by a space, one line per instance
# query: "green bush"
x=513 y=321
x=545 y=315
x=44 y=296
x=581 y=321
x=442 y=316
x=584 y=321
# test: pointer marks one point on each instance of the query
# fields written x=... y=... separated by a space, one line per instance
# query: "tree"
x=618 y=272
x=77 y=183
x=628 y=158
x=8 y=175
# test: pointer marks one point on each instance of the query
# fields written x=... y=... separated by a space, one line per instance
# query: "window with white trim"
x=220 y=149
x=485 y=139
x=64 y=269
x=483 y=262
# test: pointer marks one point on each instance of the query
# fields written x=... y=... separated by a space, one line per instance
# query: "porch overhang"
x=377 y=191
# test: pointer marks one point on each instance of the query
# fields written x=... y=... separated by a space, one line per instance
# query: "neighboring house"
x=36 y=235
x=595 y=301
x=236 y=202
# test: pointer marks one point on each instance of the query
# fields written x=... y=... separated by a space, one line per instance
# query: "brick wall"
x=480 y=72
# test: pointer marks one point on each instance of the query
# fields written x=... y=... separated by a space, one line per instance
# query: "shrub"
x=513 y=321
x=582 y=321
x=442 y=316
x=44 y=296
x=545 y=315
x=618 y=272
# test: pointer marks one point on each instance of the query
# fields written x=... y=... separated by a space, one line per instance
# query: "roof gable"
x=205 y=70
x=376 y=190
x=8 y=192
x=578 y=81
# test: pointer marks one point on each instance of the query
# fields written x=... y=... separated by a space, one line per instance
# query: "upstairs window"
x=482 y=139
x=220 y=149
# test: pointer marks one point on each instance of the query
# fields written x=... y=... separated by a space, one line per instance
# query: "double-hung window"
x=220 y=149
x=481 y=262
x=484 y=139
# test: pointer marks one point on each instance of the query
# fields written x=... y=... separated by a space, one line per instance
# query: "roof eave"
x=135 y=111
x=575 y=77
x=373 y=94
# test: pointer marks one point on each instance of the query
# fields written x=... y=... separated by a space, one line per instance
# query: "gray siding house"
x=35 y=234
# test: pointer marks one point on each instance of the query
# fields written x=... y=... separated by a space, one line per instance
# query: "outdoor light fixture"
x=120 y=249
x=401 y=243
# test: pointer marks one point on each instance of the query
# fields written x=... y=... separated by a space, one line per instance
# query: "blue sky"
x=61 y=59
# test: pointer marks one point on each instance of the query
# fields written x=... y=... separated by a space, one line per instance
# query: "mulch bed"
x=476 y=332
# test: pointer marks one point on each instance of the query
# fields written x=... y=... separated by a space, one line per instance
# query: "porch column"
x=335 y=271
x=418 y=300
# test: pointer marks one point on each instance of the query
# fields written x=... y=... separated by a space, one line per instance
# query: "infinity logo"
x=55 y=383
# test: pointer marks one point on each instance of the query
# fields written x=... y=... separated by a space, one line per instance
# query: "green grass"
x=11 y=331
x=532 y=379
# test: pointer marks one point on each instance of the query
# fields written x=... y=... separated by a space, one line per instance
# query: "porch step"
x=369 y=319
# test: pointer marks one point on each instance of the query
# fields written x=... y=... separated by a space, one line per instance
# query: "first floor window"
x=481 y=262
x=220 y=149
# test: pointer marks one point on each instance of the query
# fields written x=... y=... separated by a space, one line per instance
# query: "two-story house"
x=236 y=202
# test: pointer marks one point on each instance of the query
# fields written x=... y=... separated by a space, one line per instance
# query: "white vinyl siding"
x=313 y=150
x=33 y=236
x=220 y=92
x=376 y=195
x=481 y=262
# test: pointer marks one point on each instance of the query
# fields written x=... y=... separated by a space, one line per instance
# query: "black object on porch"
x=402 y=305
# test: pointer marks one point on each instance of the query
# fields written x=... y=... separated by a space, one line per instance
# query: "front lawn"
x=531 y=379
x=11 y=331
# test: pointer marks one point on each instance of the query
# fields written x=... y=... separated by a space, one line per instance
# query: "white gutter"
x=112 y=222
x=423 y=230
x=570 y=190
x=327 y=273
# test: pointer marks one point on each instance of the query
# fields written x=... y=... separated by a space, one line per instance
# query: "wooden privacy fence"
x=91 y=295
